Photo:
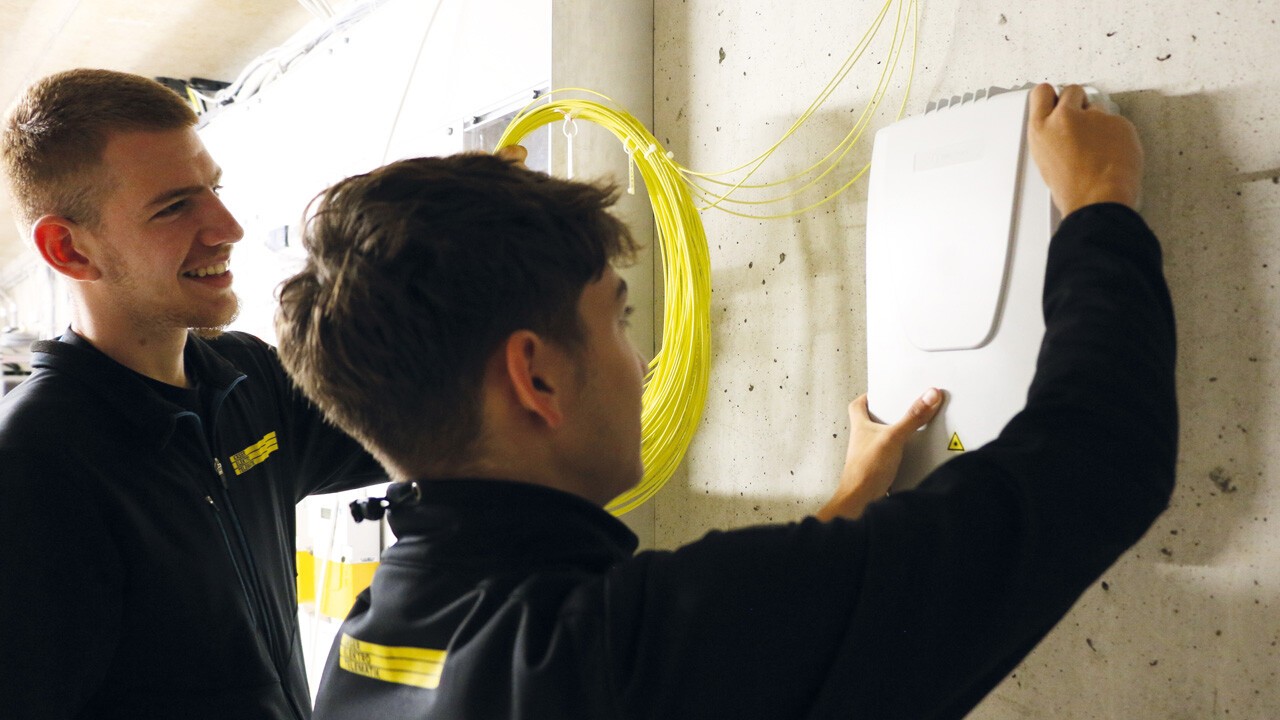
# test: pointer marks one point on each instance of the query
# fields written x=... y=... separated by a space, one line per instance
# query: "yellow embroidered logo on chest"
x=255 y=454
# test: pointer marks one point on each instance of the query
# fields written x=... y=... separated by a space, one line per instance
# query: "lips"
x=208 y=271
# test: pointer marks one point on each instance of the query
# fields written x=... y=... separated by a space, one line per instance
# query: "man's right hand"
x=1085 y=154
x=874 y=454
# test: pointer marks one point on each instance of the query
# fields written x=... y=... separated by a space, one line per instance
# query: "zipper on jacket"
x=249 y=580
x=251 y=590
x=255 y=595
x=226 y=540
x=233 y=537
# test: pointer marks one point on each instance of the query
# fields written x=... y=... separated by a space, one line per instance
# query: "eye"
x=171 y=209
x=217 y=189
x=626 y=316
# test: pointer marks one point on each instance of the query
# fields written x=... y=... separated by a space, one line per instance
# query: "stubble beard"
x=203 y=328
x=204 y=322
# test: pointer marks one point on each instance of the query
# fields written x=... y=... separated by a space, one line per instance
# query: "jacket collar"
x=515 y=521
x=122 y=390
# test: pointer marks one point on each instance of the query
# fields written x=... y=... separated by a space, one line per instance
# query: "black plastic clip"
x=369 y=509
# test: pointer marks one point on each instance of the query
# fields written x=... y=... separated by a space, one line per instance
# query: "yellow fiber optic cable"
x=815 y=106
x=714 y=199
x=855 y=135
x=676 y=385
x=675 y=389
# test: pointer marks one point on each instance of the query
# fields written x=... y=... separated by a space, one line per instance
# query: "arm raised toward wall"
x=964 y=576
x=922 y=605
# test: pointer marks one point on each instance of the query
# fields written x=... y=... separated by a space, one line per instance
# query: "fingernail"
x=931 y=397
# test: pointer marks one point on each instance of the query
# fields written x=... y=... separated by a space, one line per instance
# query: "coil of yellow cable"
x=676 y=386
x=675 y=389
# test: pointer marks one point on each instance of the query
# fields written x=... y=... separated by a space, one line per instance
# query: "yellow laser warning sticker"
x=955 y=445
x=419 y=667
x=253 y=455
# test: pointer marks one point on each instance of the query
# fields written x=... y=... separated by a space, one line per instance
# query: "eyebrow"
x=168 y=195
x=622 y=289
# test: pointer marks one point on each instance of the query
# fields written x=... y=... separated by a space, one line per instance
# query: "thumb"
x=859 y=409
x=920 y=413
x=1041 y=103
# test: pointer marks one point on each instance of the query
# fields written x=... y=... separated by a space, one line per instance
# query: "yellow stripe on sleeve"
x=418 y=667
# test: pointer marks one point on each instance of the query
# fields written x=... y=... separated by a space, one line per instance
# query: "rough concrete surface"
x=1186 y=625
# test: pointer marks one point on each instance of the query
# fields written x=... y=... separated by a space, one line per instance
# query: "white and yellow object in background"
x=305 y=558
x=336 y=562
x=346 y=553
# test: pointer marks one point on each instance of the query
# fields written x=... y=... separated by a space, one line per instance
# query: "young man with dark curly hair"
x=461 y=317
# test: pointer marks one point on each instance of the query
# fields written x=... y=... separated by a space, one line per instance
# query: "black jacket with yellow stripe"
x=148 y=562
x=503 y=600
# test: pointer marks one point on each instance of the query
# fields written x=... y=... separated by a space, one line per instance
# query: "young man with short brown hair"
x=150 y=473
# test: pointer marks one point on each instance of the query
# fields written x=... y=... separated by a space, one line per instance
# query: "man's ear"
x=56 y=238
x=538 y=371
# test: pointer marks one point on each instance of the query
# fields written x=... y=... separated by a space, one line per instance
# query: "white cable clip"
x=631 y=166
x=570 y=130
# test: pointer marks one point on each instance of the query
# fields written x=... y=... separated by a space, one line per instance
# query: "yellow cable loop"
x=816 y=105
x=840 y=151
x=676 y=385
x=840 y=190
x=675 y=389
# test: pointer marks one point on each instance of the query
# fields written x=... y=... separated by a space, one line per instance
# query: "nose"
x=642 y=361
x=221 y=227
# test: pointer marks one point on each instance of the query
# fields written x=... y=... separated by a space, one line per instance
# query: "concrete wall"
x=1187 y=624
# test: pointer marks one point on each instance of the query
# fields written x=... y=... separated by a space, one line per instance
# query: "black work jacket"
x=149 y=563
x=502 y=600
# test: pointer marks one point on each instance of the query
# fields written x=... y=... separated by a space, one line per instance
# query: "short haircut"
x=416 y=274
x=56 y=131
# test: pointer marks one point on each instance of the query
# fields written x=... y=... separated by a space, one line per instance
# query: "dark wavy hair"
x=416 y=274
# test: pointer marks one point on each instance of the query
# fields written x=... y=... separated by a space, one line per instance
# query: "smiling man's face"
x=164 y=240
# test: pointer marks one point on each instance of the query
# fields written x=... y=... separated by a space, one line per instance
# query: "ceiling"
x=177 y=38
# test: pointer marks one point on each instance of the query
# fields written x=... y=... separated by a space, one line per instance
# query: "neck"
x=528 y=464
x=532 y=464
x=157 y=354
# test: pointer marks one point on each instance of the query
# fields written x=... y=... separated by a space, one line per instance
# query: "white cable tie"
x=569 y=135
x=631 y=173
x=570 y=127
x=653 y=148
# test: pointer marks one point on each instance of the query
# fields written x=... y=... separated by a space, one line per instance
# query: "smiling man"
x=148 y=475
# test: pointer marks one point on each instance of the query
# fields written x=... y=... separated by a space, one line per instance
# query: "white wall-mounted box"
x=958 y=228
